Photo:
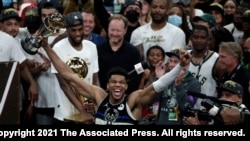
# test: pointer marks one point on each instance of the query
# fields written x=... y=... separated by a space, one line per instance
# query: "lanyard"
x=200 y=64
x=234 y=72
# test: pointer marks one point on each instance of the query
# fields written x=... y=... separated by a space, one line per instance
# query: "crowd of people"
x=85 y=65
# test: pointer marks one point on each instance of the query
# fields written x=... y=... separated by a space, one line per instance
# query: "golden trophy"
x=51 y=26
x=79 y=67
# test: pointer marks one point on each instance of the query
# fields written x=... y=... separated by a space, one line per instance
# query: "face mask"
x=229 y=17
x=175 y=20
x=238 y=25
x=132 y=16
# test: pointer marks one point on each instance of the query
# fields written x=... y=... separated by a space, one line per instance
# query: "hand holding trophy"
x=51 y=26
x=79 y=67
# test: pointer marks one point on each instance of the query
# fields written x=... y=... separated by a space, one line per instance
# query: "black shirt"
x=125 y=57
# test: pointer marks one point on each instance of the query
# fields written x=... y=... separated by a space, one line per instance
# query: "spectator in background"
x=204 y=63
x=23 y=8
x=246 y=53
x=118 y=52
x=32 y=22
x=29 y=95
x=216 y=9
x=178 y=17
x=155 y=55
x=173 y=99
x=229 y=11
x=230 y=58
x=145 y=14
x=89 y=23
x=131 y=10
x=74 y=50
x=44 y=107
x=158 y=32
x=218 y=35
x=206 y=20
x=235 y=28
x=47 y=7
x=245 y=26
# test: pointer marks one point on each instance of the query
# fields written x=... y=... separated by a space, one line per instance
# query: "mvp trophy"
x=51 y=26
x=79 y=67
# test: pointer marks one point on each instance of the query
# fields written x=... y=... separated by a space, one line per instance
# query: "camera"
x=212 y=107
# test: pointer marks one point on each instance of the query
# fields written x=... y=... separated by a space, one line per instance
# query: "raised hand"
x=160 y=69
x=184 y=58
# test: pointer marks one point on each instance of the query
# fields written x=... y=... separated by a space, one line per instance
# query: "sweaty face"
x=11 y=26
x=117 y=86
x=159 y=11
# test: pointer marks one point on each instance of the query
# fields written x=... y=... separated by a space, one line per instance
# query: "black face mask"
x=229 y=17
x=132 y=16
x=238 y=25
x=246 y=55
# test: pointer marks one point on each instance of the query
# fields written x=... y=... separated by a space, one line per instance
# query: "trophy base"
x=28 y=47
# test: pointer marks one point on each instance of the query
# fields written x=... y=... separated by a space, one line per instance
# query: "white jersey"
x=65 y=51
x=206 y=77
x=169 y=37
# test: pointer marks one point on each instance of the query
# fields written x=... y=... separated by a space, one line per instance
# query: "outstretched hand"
x=184 y=58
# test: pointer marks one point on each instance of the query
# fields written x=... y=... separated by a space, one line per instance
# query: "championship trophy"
x=79 y=67
x=51 y=26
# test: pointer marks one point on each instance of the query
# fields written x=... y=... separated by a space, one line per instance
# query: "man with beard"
x=131 y=10
x=81 y=56
x=158 y=32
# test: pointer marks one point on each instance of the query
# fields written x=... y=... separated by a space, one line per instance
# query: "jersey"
x=205 y=76
x=119 y=114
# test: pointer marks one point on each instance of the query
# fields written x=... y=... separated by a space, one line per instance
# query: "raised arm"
x=80 y=86
x=142 y=97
